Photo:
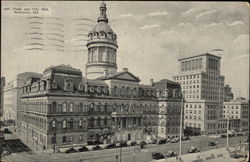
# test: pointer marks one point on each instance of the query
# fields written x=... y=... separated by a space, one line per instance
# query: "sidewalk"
x=216 y=155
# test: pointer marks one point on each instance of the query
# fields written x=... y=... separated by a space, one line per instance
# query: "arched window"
x=53 y=107
x=105 y=121
x=92 y=107
x=53 y=124
x=105 y=107
x=114 y=107
x=71 y=124
x=80 y=123
x=71 y=107
x=98 y=121
x=81 y=107
x=64 y=124
x=99 y=107
x=64 y=107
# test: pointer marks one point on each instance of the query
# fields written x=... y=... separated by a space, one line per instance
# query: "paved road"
x=143 y=155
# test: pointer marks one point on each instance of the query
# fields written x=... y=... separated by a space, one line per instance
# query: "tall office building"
x=202 y=86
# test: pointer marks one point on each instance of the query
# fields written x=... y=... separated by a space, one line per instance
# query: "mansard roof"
x=125 y=75
x=67 y=69
x=165 y=83
x=146 y=86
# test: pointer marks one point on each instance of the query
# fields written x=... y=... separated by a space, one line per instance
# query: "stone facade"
x=238 y=109
x=64 y=109
x=12 y=95
x=170 y=105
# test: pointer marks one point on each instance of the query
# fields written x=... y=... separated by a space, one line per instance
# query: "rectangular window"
x=53 y=140
x=64 y=139
x=71 y=139
x=80 y=138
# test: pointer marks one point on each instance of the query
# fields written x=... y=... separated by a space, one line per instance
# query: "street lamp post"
x=240 y=139
x=227 y=130
x=121 y=154
x=54 y=142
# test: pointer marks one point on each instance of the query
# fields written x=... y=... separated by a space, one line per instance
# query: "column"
x=48 y=86
x=121 y=123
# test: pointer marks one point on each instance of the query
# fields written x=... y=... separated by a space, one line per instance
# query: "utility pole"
x=134 y=153
x=217 y=119
x=54 y=141
x=227 y=128
x=121 y=154
x=181 y=123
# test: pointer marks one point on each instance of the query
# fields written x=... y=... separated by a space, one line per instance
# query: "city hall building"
x=64 y=108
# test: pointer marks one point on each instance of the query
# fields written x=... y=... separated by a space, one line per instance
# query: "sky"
x=152 y=36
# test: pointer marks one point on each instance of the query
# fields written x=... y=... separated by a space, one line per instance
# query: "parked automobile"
x=110 y=146
x=131 y=143
x=240 y=134
x=185 y=138
x=70 y=150
x=157 y=155
x=154 y=141
x=236 y=156
x=83 y=149
x=5 y=152
x=174 y=140
x=143 y=143
x=212 y=143
x=97 y=147
x=171 y=154
x=223 y=136
x=123 y=144
x=193 y=150
x=161 y=141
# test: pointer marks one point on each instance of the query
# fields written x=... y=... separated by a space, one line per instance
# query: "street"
x=143 y=155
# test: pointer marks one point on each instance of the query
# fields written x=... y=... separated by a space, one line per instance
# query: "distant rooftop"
x=166 y=83
x=208 y=54
x=63 y=67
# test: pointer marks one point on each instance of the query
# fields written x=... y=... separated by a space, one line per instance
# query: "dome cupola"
x=102 y=47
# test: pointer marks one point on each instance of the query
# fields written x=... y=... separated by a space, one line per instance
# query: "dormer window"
x=91 y=89
x=98 y=89
x=80 y=87
x=105 y=90
x=68 y=85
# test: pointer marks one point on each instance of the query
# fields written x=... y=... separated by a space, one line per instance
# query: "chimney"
x=151 y=82
x=105 y=73
x=125 y=69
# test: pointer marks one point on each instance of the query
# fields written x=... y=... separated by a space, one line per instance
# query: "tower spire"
x=103 y=15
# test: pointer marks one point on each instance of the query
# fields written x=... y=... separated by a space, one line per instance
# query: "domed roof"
x=102 y=27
